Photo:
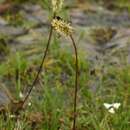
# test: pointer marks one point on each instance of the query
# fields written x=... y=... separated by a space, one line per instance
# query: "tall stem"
x=76 y=84
x=40 y=68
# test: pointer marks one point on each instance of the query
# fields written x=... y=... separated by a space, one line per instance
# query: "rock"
x=5 y=96
x=42 y=16
x=40 y=31
x=12 y=31
x=78 y=17
x=4 y=99
x=26 y=39
x=35 y=14
x=100 y=18
x=29 y=38
x=31 y=8
x=30 y=18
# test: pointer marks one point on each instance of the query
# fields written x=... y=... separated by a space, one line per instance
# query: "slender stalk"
x=40 y=68
x=76 y=84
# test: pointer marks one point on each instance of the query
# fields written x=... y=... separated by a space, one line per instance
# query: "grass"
x=52 y=102
x=54 y=90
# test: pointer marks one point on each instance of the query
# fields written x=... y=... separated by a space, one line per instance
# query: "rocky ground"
x=101 y=34
x=103 y=31
x=103 y=40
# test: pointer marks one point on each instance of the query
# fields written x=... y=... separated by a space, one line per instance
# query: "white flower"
x=107 y=106
x=12 y=116
x=111 y=110
x=112 y=107
x=116 y=105
x=29 y=104
x=21 y=95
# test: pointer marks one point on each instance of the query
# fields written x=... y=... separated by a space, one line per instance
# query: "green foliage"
x=54 y=99
x=4 y=49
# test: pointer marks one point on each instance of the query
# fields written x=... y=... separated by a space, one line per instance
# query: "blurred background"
x=102 y=35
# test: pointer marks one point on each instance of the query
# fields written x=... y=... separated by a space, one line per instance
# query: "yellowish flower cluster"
x=57 y=5
x=61 y=27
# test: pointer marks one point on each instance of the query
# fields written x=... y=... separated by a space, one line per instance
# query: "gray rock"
x=12 y=31
x=30 y=38
x=31 y=8
x=99 y=18
x=41 y=15
x=35 y=14
x=4 y=99
x=30 y=18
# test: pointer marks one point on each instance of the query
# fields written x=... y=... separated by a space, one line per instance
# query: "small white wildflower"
x=107 y=106
x=12 y=116
x=111 y=107
x=116 y=105
x=29 y=104
x=21 y=95
x=111 y=110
